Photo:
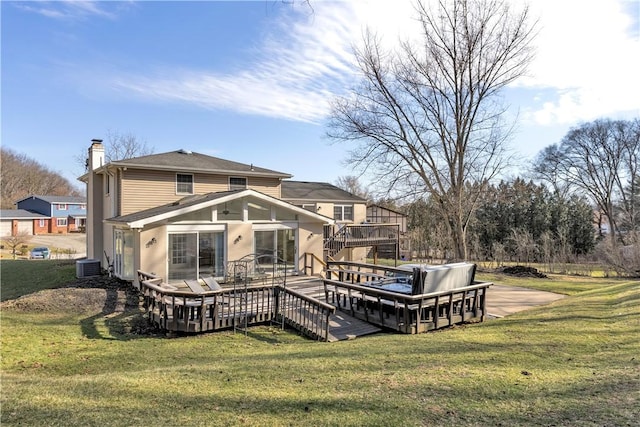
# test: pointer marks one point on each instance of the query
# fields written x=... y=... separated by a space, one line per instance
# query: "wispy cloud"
x=586 y=66
x=293 y=74
x=68 y=9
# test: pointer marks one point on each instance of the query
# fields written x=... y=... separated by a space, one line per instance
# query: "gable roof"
x=373 y=205
x=197 y=202
x=195 y=162
x=316 y=191
x=20 y=214
x=80 y=200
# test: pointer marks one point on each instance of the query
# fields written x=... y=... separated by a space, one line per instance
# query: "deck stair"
x=359 y=236
x=342 y=326
x=345 y=327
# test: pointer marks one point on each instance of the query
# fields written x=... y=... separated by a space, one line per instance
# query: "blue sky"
x=252 y=81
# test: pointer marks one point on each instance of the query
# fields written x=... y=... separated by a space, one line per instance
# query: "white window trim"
x=270 y=227
x=61 y=219
x=192 y=183
x=246 y=182
x=62 y=206
x=185 y=228
x=342 y=206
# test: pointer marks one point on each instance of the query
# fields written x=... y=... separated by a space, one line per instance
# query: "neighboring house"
x=66 y=213
x=181 y=215
x=377 y=214
x=14 y=222
x=345 y=208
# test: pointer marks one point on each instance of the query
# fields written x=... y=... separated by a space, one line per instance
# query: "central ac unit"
x=87 y=268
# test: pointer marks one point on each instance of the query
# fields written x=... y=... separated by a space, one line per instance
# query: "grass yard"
x=573 y=363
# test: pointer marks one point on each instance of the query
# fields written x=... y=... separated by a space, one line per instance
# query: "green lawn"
x=574 y=363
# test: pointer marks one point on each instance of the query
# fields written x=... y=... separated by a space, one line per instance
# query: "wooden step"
x=344 y=327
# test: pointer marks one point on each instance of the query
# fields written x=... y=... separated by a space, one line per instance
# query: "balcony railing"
x=358 y=236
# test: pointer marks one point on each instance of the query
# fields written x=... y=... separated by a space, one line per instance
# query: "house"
x=377 y=214
x=346 y=209
x=64 y=213
x=14 y=222
x=181 y=215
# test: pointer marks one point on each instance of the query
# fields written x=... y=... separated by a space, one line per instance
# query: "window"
x=41 y=223
x=107 y=184
x=61 y=222
x=311 y=207
x=237 y=183
x=123 y=254
x=194 y=254
x=62 y=206
x=343 y=212
x=184 y=183
x=83 y=207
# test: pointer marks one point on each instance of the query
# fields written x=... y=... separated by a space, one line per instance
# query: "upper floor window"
x=62 y=206
x=237 y=183
x=83 y=207
x=107 y=184
x=343 y=212
x=184 y=183
x=309 y=207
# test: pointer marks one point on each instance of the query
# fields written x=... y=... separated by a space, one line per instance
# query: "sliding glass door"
x=279 y=243
x=196 y=254
x=211 y=254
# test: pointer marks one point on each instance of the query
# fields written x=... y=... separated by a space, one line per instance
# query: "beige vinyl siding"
x=144 y=189
x=269 y=186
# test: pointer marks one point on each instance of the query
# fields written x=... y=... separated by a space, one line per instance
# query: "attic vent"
x=183 y=151
x=87 y=268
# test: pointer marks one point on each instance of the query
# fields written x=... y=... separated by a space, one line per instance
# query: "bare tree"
x=119 y=146
x=21 y=176
x=599 y=159
x=426 y=118
x=545 y=167
x=351 y=184
x=15 y=241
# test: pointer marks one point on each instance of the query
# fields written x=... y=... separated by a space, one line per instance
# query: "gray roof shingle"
x=192 y=161
x=169 y=207
x=20 y=214
x=58 y=199
x=316 y=191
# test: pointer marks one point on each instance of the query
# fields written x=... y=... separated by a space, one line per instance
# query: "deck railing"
x=358 y=236
x=182 y=311
x=310 y=261
x=409 y=314
x=304 y=313
x=357 y=272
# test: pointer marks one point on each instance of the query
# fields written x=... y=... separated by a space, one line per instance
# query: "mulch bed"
x=522 y=271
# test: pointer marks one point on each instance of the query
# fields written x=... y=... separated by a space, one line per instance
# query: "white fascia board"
x=296 y=209
x=187 y=209
x=248 y=192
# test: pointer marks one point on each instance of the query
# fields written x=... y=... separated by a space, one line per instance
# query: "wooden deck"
x=322 y=309
x=342 y=326
x=298 y=303
x=360 y=293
